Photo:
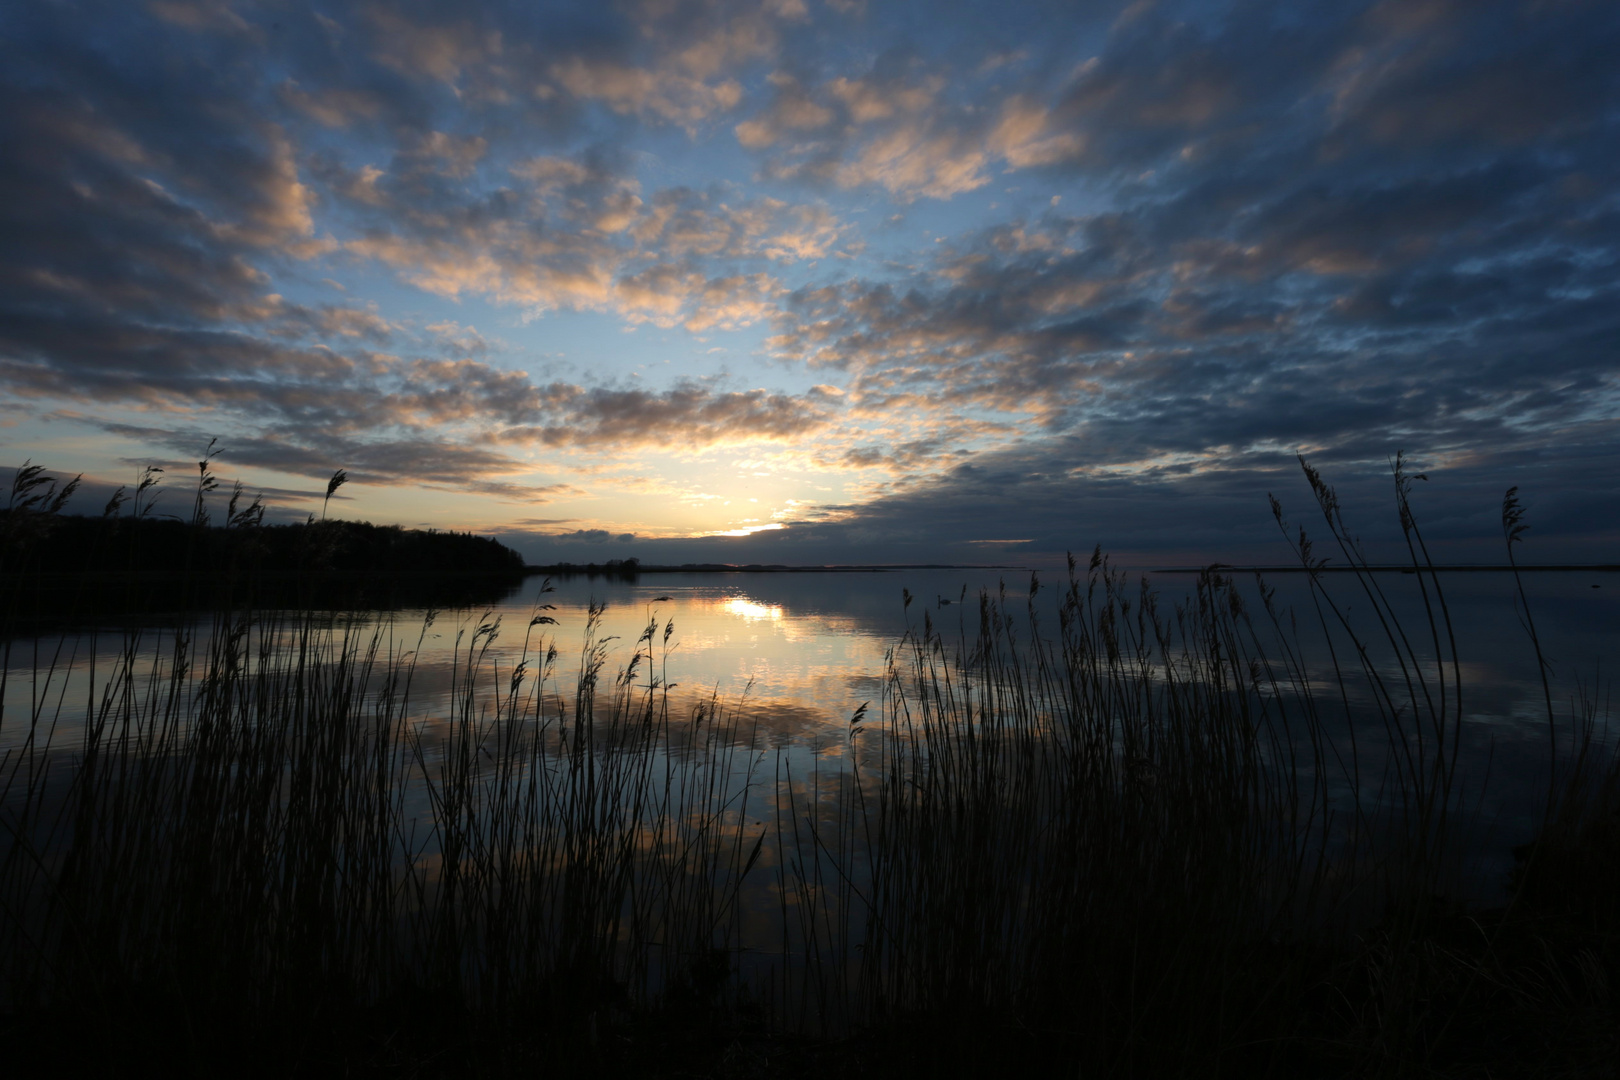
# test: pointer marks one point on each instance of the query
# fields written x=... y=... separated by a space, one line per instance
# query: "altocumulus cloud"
x=1043 y=275
x=166 y=177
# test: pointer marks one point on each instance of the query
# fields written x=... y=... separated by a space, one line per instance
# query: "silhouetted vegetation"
x=165 y=546
x=59 y=569
x=1142 y=842
x=87 y=568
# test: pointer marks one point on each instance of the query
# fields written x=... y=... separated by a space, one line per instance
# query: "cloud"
x=734 y=302
x=350 y=322
x=213 y=15
x=457 y=339
x=893 y=127
x=687 y=417
x=683 y=68
x=916 y=160
x=329 y=107
x=1030 y=506
x=792 y=111
x=1333 y=227
x=665 y=95
x=682 y=223
x=437 y=49
x=422 y=461
x=1244 y=314
x=581 y=237
x=144 y=243
x=502 y=259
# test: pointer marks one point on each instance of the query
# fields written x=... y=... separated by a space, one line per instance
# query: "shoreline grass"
x=1142 y=842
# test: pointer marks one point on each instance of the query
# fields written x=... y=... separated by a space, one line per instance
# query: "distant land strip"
x=630 y=569
x=1396 y=568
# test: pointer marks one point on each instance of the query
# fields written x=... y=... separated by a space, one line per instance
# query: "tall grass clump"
x=260 y=838
x=1164 y=842
x=1104 y=838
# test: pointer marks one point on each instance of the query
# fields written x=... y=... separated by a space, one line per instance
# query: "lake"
x=793 y=656
x=800 y=652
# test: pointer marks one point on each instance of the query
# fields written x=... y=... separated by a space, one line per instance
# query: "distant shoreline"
x=620 y=570
x=617 y=569
x=1597 y=568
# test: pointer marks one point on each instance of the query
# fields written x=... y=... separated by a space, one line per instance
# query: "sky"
x=824 y=281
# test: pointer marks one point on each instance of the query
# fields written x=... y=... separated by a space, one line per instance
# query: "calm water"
x=805 y=649
x=801 y=652
x=809 y=648
x=798 y=653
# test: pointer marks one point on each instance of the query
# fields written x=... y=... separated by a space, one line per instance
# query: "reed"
x=1162 y=843
x=1149 y=840
x=239 y=850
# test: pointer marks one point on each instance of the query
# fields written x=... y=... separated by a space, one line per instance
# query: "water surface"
x=798 y=654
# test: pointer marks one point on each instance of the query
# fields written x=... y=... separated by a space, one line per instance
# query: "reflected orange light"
x=750 y=610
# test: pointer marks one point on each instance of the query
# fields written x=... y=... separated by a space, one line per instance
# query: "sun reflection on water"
x=751 y=610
